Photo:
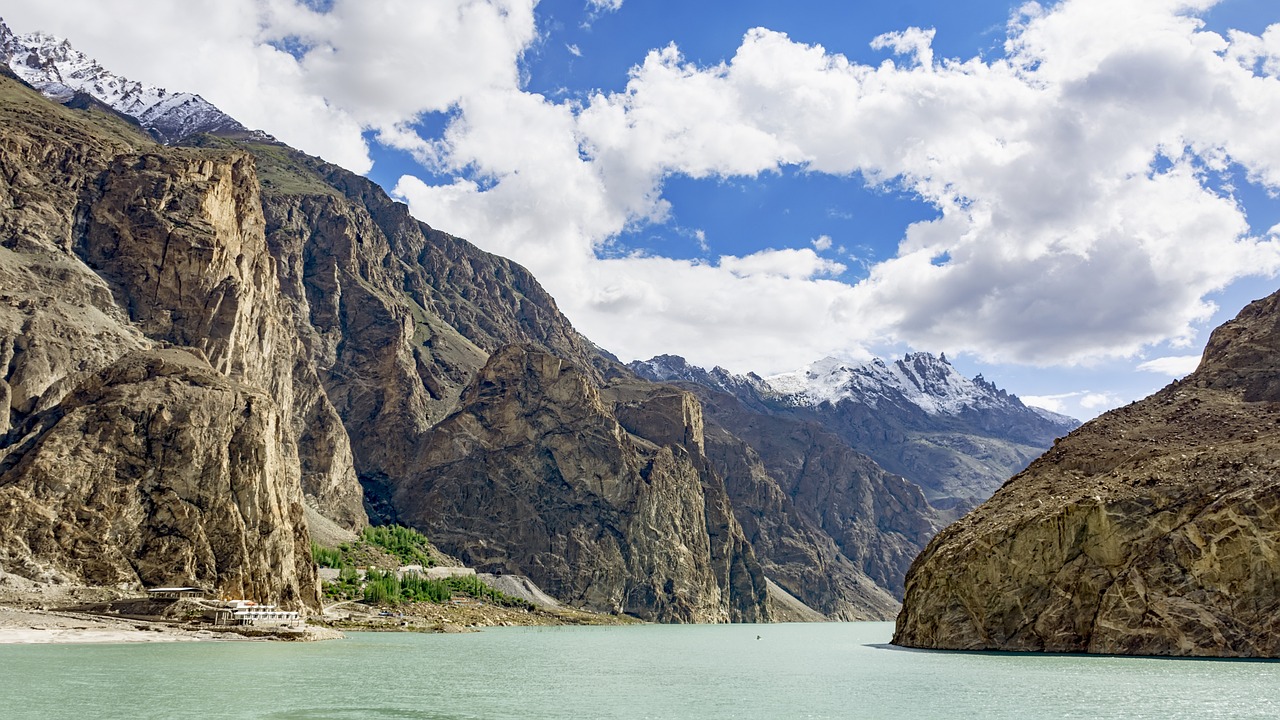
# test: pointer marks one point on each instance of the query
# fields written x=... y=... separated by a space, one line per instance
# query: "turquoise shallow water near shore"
x=791 y=671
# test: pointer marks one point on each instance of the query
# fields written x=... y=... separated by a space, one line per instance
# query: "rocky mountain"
x=611 y=505
x=957 y=438
x=828 y=524
x=257 y=342
x=62 y=73
x=1152 y=530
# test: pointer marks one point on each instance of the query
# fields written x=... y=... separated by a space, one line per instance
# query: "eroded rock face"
x=535 y=474
x=159 y=471
x=1154 y=529
x=399 y=319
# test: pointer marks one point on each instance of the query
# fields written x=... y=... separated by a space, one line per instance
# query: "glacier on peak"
x=59 y=71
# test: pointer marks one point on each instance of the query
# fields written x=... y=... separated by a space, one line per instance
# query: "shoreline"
x=24 y=623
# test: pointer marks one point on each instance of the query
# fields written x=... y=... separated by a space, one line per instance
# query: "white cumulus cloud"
x=316 y=80
x=1173 y=366
x=1099 y=401
x=802 y=264
x=1053 y=403
x=1077 y=217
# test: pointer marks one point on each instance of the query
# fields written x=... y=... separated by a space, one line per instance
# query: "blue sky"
x=1064 y=197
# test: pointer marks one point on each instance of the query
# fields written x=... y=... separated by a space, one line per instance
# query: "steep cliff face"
x=159 y=470
x=534 y=474
x=117 y=249
x=1154 y=529
x=398 y=319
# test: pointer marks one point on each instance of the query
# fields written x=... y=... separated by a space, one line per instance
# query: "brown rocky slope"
x=1152 y=530
x=408 y=328
x=536 y=475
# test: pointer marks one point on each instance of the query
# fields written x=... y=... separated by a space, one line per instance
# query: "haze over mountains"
x=211 y=342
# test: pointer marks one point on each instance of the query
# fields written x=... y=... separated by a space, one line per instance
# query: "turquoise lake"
x=681 y=671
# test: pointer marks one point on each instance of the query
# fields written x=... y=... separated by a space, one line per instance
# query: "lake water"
x=724 y=671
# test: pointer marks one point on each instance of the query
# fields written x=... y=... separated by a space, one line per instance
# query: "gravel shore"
x=40 y=613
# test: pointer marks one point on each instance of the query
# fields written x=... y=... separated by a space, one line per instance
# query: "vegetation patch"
x=368 y=570
x=406 y=544
x=391 y=589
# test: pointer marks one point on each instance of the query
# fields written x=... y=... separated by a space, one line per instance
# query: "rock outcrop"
x=1152 y=530
x=158 y=470
x=535 y=475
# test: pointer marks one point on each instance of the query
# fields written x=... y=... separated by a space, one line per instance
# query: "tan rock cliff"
x=125 y=463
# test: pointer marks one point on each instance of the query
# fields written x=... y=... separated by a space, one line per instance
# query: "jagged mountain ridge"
x=958 y=438
x=922 y=379
x=59 y=71
x=1151 y=530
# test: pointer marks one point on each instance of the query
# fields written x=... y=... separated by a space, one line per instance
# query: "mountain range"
x=62 y=73
x=957 y=438
x=213 y=347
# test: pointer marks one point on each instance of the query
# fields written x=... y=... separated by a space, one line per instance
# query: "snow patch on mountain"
x=59 y=71
x=922 y=379
x=673 y=368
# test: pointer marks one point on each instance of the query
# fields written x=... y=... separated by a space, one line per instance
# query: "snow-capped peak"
x=55 y=68
x=929 y=382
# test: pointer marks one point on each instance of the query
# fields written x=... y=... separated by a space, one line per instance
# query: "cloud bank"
x=1082 y=211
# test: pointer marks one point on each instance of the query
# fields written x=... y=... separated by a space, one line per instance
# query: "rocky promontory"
x=1152 y=530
